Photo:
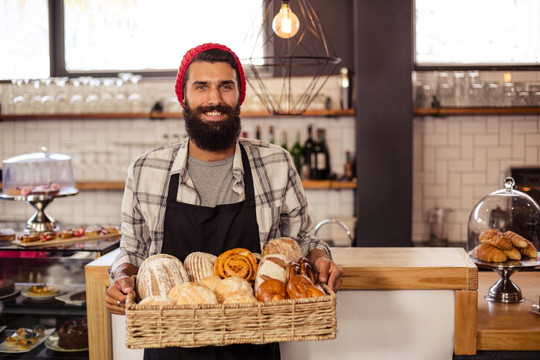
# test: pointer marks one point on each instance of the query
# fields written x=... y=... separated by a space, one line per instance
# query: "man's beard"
x=213 y=135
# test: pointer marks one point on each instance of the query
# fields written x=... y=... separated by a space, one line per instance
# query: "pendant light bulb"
x=285 y=23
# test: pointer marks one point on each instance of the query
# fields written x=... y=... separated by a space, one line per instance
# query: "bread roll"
x=157 y=300
x=271 y=267
x=158 y=274
x=199 y=265
x=211 y=282
x=230 y=286
x=284 y=246
x=240 y=299
x=192 y=293
x=272 y=290
x=486 y=252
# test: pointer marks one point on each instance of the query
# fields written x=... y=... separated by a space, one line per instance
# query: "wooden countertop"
x=406 y=268
x=508 y=326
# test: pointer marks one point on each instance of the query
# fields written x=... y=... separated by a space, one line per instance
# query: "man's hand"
x=329 y=272
x=121 y=286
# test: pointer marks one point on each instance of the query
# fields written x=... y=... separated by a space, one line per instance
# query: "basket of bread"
x=237 y=297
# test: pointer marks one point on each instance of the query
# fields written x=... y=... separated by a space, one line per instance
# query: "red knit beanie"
x=188 y=57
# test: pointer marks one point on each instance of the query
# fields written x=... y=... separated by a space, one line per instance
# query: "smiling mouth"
x=213 y=113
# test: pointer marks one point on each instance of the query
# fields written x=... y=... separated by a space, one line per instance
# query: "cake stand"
x=41 y=221
x=504 y=290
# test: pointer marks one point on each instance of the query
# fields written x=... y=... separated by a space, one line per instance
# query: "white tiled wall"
x=457 y=160
x=102 y=150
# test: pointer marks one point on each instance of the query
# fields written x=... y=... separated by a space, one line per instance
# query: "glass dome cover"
x=505 y=210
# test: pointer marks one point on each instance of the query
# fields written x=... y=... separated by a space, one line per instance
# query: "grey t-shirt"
x=213 y=181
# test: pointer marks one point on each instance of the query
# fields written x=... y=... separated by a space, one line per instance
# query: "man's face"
x=211 y=105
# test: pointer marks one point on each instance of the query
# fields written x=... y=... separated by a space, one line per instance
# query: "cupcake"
x=39 y=330
x=21 y=333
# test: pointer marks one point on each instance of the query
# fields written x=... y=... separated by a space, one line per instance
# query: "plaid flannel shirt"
x=281 y=205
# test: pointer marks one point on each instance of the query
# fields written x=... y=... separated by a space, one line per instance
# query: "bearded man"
x=212 y=192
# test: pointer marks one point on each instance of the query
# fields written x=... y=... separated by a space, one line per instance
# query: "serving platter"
x=52 y=343
x=59 y=291
x=71 y=240
x=13 y=349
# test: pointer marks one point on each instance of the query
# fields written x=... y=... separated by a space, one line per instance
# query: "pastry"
x=284 y=246
x=11 y=341
x=530 y=250
x=517 y=240
x=39 y=330
x=211 y=282
x=73 y=334
x=231 y=286
x=199 y=265
x=512 y=254
x=236 y=262
x=42 y=291
x=24 y=344
x=302 y=281
x=157 y=300
x=272 y=290
x=271 y=267
x=486 y=252
x=7 y=286
x=192 y=293
x=7 y=234
x=495 y=238
x=21 y=333
x=158 y=274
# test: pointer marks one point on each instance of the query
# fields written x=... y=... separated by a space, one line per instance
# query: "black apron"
x=189 y=228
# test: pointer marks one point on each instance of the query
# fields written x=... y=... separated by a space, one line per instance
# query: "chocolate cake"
x=7 y=287
x=73 y=334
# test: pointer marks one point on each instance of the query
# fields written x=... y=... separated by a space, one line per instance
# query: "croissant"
x=496 y=238
x=530 y=250
x=513 y=254
x=517 y=240
x=486 y=252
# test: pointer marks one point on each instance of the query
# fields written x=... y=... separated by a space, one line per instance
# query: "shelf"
x=165 y=115
x=475 y=111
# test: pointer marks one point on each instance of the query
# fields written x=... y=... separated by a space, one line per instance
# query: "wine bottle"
x=258 y=132
x=296 y=152
x=307 y=150
x=284 y=140
x=271 y=138
x=348 y=167
x=320 y=164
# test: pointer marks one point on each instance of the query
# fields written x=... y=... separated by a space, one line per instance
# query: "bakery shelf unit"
x=451 y=111
x=59 y=266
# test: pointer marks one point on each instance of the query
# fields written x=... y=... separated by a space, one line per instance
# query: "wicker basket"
x=159 y=326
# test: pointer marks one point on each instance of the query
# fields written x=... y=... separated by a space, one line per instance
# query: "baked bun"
x=192 y=293
x=271 y=267
x=240 y=299
x=236 y=262
x=158 y=274
x=284 y=246
x=300 y=286
x=231 y=286
x=211 y=282
x=199 y=265
x=272 y=290
x=157 y=300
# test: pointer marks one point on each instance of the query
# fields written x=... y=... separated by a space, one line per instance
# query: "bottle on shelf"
x=308 y=148
x=348 y=167
x=320 y=162
x=296 y=152
x=258 y=132
x=271 y=138
x=284 y=140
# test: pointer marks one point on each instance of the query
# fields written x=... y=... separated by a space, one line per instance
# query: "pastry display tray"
x=71 y=240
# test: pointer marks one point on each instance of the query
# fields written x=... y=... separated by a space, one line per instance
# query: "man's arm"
x=329 y=272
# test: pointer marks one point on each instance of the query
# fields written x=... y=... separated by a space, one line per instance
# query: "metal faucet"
x=334 y=221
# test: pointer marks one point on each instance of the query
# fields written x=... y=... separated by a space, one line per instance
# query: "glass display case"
x=56 y=276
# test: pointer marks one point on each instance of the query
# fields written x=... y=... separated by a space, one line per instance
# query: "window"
x=24 y=35
x=479 y=32
x=101 y=37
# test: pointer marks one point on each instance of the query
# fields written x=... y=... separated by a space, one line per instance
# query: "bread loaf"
x=157 y=300
x=231 y=286
x=240 y=299
x=192 y=293
x=271 y=267
x=486 y=252
x=199 y=265
x=284 y=246
x=158 y=274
